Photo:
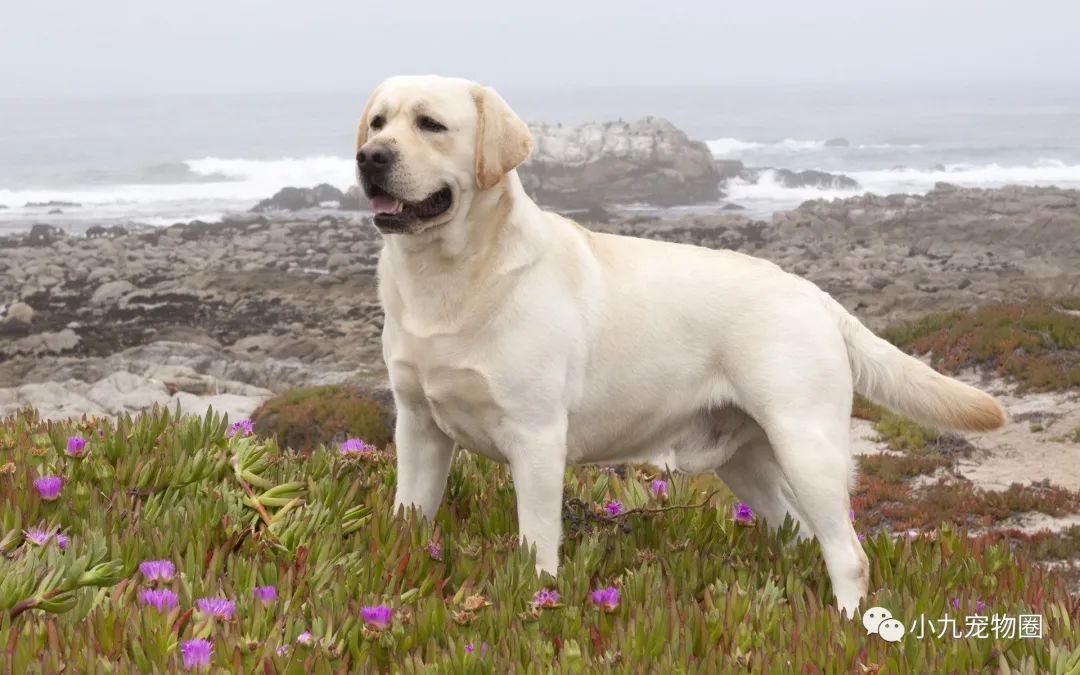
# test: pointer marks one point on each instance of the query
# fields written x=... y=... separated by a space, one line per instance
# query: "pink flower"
x=658 y=488
x=265 y=594
x=219 y=608
x=355 y=446
x=613 y=508
x=605 y=598
x=48 y=487
x=305 y=638
x=241 y=427
x=76 y=446
x=162 y=600
x=157 y=570
x=434 y=550
x=743 y=514
x=196 y=654
x=546 y=598
x=378 y=616
x=37 y=536
x=61 y=541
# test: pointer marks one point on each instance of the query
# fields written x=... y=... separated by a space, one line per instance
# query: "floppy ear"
x=502 y=140
x=362 y=129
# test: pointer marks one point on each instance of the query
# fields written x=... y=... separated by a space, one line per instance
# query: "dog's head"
x=426 y=146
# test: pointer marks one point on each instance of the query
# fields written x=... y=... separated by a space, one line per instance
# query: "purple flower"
x=160 y=599
x=196 y=653
x=377 y=617
x=434 y=550
x=469 y=648
x=956 y=603
x=851 y=515
x=912 y=534
x=157 y=570
x=241 y=427
x=219 y=608
x=305 y=638
x=613 y=508
x=76 y=446
x=605 y=598
x=282 y=650
x=62 y=541
x=862 y=537
x=546 y=598
x=743 y=514
x=980 y=606
x=265 y=594
x=658 y=488
x=37 y=536
x=355 y=446
x=49 y=487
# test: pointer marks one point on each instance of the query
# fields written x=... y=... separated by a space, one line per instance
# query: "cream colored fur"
x=521 y=336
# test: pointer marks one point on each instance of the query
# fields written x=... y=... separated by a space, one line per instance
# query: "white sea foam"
x=733 y=148
x=767 y=194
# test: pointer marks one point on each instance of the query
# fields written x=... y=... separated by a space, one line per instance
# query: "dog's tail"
x=902 y=383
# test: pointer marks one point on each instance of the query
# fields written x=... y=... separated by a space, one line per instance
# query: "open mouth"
x=394 y=215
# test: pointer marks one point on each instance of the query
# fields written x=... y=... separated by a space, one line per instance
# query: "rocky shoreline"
x=265 y=302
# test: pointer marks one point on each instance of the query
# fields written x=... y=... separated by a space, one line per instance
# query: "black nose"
x=375 y=156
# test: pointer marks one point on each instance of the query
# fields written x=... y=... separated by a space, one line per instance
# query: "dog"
x=521 y=336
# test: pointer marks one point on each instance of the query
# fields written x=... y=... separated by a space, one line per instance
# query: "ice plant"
x=157 y=570
x=160 y=599
x=265 y=594
x=605 y=598
x=76 y=446
x=48 y=487
x=743 y=514
x=61 y=541
x=980 y=606
x=546 y=598
x=241 y=427
x=355 y=446
x=613 y=508
x=658 y=488
x=377 y=616
x=219 y=608
x=470 y=648
x=305 y=638
x=37 y=536
x=434 y=550
x=196 y=653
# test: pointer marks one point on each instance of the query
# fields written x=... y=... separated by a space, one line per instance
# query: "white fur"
x=523 y=337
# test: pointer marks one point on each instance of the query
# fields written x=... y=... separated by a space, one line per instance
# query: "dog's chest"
x=458 y=397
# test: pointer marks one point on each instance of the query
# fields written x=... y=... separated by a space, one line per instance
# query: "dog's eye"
x=377 y=122
x=428 y=124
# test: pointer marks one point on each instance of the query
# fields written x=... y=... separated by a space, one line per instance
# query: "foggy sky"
x=107 y=47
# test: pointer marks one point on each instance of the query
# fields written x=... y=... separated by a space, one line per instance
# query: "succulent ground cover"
x=169 y=543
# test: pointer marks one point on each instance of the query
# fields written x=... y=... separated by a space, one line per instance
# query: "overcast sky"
x=105 y=47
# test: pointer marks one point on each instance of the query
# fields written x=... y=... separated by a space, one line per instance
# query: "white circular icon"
x=891 y=630
x=873 y=617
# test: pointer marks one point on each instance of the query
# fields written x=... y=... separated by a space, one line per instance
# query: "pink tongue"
x=385 y=204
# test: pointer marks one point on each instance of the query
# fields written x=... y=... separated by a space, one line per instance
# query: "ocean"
x=160 y=160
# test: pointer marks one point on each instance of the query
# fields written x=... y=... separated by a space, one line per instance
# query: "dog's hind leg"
x=812 y=453
x=756 y=478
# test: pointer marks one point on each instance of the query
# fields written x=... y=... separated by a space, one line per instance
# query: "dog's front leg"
x=423 y=460
x=538 y=485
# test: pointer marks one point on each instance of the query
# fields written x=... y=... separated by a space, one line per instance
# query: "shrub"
x=303 y=419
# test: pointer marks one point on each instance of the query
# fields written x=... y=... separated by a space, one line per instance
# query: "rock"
x=20 y=313
x=49 y=342
x=295 y=199
x=56 y=212
x=730 y=168
x=353 y=199
x=812 y=178
x=44 y=235
x=649 y=161
x=110 y=292
x=838 y=142
x=51 y=204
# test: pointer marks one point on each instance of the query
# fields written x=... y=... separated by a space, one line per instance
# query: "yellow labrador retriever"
x=526 y=338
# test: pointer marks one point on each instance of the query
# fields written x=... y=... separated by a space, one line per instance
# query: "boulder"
x=837 y=143
x=648 y=161
x=19 y=312
x=44 y=235
x=110 y=292
x=295 y=199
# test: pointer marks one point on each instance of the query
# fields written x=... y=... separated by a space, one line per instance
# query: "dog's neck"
x=436 y=279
